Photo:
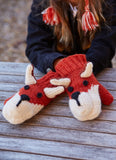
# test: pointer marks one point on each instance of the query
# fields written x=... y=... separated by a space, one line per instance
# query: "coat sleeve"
x=103 y=45
x=40 y=48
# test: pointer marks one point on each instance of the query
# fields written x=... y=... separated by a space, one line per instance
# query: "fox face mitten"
x=85 y=93
x=33 y=96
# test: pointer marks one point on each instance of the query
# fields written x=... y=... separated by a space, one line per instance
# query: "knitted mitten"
x=85 y=92
x=33 y=96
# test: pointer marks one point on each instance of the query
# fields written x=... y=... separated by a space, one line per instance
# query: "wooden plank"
x=12 y=68
x=109 y=85
x=15 y=79
x=106 y=75
x=10 y=87
x=66 y=150
x=19 y=69
x=12 y=79
x=1 y=104
x=59 y=135
x=71 y=123
x=110 y=107
x=4 y=95
x=8 y=155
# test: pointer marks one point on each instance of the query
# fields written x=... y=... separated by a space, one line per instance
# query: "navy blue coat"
x=41 y=42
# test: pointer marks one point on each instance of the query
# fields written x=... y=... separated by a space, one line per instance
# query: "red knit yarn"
x=88 y=19
x=72 y=67
x=50 y=17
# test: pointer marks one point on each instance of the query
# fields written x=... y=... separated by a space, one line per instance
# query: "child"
x=74 y=39
x=47 y=44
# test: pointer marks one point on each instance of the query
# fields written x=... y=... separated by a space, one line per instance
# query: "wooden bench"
x=54 y=134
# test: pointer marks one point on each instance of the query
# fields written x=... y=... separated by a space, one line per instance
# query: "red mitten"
x=85 y=92
x=33 y=96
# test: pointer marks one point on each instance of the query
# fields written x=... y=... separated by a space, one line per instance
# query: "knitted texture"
x=32 y=97
x=38 y=88
x=88 y=19
x=74 y=63
x=84 y=88
x=50 y=17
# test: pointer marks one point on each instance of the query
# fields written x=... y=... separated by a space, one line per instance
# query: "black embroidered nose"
x=75 y=96
x=24 y=97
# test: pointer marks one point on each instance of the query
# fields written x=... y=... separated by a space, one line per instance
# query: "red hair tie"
x=88 y=19
x=50 y=17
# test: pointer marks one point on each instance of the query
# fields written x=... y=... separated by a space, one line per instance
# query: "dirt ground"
x=13 y=25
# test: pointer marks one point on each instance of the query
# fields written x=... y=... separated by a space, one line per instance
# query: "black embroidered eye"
x=70 y=89
x=39 y=95
x=26 y=87
x=85 y=83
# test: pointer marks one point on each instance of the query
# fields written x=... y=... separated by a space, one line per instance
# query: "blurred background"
x=13 y=30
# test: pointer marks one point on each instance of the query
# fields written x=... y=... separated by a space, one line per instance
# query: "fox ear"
x=29 y=78
x=53 y=92
x=88 y=71
x=61 y=82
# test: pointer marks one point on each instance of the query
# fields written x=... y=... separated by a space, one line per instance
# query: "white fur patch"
x=90 y=105
x=17 y=115
x=94 y=93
